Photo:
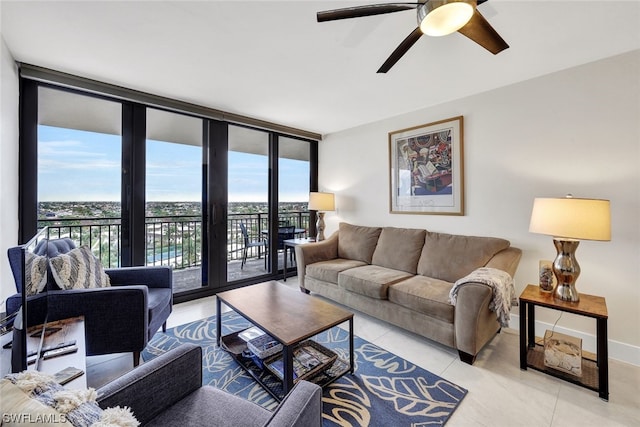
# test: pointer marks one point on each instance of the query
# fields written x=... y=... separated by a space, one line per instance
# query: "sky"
x=76 y=165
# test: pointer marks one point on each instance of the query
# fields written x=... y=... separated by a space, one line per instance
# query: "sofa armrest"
x=302 y=407
x=506 y=260
x=156 y=385
x=315 y=252
x=152 y=277
x=475 y=323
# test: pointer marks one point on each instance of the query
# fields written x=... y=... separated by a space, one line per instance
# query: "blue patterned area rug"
x=385 y=390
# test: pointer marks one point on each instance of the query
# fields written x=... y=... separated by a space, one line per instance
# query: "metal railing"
x=170 y=240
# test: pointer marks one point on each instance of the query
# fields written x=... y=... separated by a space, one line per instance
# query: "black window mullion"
x=313 y=183
x=217 y=182
x=133 y=184
x=28 y=161
x=274 y=158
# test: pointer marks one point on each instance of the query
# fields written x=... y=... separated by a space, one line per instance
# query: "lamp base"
x=567 y=293
x=566 y=270
x=320 y=227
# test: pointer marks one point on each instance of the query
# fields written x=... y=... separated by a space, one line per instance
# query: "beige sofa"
x=404 y=276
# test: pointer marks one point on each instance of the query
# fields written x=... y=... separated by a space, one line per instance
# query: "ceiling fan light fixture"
x=441 y=17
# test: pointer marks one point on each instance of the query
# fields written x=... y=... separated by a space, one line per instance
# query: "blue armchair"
x=121 y=318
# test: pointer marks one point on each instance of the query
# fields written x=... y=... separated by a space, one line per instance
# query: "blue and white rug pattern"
x=385 y=390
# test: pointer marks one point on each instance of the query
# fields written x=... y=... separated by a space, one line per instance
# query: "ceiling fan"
x=435 y=18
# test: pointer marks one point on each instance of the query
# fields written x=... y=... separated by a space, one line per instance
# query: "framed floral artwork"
x=426 y=169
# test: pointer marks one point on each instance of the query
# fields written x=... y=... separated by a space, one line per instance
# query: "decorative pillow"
x=32 y=396
x=78 y=269
x=35 y=269
x=357 y=242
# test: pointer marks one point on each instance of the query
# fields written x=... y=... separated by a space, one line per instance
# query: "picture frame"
x=426 y=169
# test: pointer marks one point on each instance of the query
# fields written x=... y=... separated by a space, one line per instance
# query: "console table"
x=595 y=374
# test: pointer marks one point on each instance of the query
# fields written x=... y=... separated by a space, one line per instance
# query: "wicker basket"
x=264 y=346
x=309 y=358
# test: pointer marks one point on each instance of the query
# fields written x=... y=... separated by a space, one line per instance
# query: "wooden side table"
x=595 y=374
x=292 y=243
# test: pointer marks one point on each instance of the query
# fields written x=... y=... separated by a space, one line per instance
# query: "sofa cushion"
x=424 y=295
x=449 y=257
x=159 y=303
x=370 y=280
x=399 y=248
x=357 y=242
x=328 y=270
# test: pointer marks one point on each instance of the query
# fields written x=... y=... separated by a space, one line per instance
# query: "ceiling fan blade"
x=401 y=50
x=480 y=31
x=368 y=10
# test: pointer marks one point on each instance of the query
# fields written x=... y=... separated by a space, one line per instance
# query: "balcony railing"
x=170 y=240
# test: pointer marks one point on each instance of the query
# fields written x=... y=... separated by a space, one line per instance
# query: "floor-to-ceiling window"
x=143 y=182
x=79 y=154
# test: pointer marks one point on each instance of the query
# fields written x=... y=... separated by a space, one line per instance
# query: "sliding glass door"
x=251 y=250
x=248 y=203
x=173 y=196
x=293 y=193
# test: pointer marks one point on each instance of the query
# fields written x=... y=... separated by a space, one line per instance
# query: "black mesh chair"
x=251 y=244
x=286 y=233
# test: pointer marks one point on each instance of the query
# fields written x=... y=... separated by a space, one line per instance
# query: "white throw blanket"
x=501 y=284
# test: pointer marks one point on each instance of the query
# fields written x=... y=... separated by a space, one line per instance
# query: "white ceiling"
x=272 y=61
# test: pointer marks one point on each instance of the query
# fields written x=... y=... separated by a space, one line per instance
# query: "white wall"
x=575 y=131
x=8 y=166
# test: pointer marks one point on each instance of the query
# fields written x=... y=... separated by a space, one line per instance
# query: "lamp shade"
x=322 y=202
x=573 y=218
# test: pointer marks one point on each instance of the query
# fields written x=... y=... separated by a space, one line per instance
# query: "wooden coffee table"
x=288 y=316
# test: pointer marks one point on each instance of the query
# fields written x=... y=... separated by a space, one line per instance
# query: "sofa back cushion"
x=399 y=248
x=450 y=257
x=357 y=242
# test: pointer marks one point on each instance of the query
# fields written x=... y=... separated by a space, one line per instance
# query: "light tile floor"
x=500 y=394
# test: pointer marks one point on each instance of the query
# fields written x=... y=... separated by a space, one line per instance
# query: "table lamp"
x=321 y=202
x=570 y=220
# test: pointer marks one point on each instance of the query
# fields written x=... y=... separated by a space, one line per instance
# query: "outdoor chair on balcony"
x=285 y=233
x=248 y=243
x=118 y=319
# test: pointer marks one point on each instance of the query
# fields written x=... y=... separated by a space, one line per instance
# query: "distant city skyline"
x=75 y=165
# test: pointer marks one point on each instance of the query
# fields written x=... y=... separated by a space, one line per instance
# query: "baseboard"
x=617 y=350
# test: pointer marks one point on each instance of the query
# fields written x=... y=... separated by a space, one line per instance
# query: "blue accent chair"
x=118 y=319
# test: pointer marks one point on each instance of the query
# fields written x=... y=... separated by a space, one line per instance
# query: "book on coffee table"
x=251 y=333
